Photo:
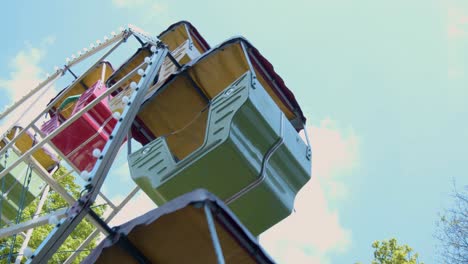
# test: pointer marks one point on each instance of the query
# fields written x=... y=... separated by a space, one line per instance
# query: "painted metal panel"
x=88 y=132
x=249 y=147
x=13 y=188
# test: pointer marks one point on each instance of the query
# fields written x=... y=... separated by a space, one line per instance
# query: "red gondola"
x=90 y=131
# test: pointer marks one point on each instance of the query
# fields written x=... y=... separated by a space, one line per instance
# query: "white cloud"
x=25 y=75
x=314 y=230
x=334 y=154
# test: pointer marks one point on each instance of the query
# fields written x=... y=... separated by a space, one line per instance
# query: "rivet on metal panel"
x=229 y=92
x=146 y=150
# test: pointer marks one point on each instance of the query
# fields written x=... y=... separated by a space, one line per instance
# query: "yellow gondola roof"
x=177 y=232
x=47 y=160
x=136 y=59
x=184 y=30
x=174 y=36
x=101 y=72
x=220 y=66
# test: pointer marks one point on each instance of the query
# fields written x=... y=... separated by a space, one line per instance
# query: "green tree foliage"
x=453 y=230
x=389 y=252
x=54 y=201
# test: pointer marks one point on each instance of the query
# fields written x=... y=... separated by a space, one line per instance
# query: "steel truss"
x=68 y=218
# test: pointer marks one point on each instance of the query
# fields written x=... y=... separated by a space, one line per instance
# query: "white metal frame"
x=71 y=217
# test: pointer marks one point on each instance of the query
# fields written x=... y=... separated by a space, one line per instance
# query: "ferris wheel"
x=211 y=135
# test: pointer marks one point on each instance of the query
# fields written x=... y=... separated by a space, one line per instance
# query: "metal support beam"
x=143 y=35
x=52 y=146
x=64 y=125
x=59 y=97
x=189 y=78
x=30 y=231
x=107 y=200
x=113 y=150
x=128 y=246
x=226 y=221
x=71 y=72
x=213 y=234
x=123 y=241
x=8 y=222
x=35 y=222
x=45 y=176
x=119 y=37
x=54 y=77
x=102 y=166
x=139 y=40
x=109 y=218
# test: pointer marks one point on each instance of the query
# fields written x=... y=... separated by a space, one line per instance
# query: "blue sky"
x=381 y=82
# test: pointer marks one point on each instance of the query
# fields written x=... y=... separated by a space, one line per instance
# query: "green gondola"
x=14 y=187
x=236 y=136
